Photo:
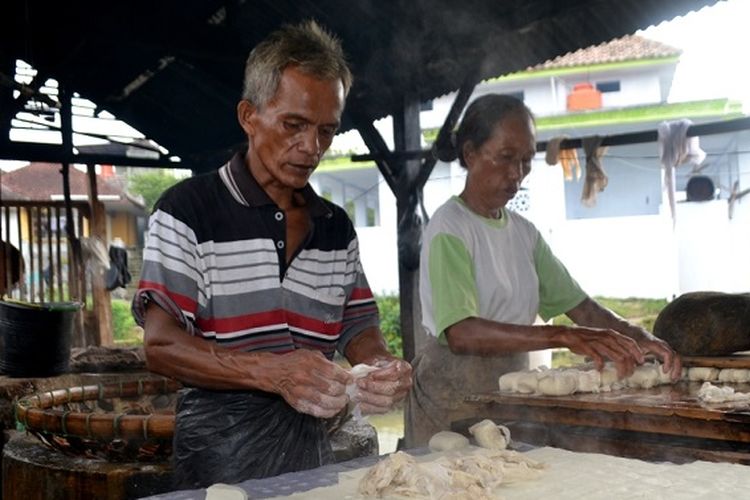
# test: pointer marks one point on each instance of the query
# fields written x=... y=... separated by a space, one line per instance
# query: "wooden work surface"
x=737 y=360
x=670 y=414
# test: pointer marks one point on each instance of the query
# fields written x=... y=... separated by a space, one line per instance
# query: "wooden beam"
x=75 y=269
x=459 y=103
x=100 y=294
x=51 y=153
x=374 y=142
x=407 y=134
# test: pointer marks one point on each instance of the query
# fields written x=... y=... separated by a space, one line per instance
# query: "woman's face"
x=497 y=167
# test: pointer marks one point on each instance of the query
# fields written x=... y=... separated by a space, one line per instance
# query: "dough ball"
x=558 y=383
x=528 y=382
x=703 y=373
x=509 y=381
x=664 y=377
x=644 y=376
x=734 y=375
x=609 y=378
x=490 y=435
x=447 y=440
x=588 y=380
x=362 y=369
x=741 y=375
x=221 y=491
x=726 y=375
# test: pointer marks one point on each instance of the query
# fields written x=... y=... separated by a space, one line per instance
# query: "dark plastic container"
x=36 y=338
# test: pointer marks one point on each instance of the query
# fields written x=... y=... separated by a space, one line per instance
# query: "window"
x=613 y=86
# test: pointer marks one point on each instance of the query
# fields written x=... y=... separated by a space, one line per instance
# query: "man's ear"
x=245 y=113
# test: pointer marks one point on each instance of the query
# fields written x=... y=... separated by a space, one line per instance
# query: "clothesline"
x=623 y=139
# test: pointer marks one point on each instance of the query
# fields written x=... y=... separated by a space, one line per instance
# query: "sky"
x=714 y=42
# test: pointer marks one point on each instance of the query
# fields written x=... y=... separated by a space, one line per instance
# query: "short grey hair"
x=307 y=46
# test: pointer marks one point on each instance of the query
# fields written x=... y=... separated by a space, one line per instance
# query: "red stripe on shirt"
x=183 y=302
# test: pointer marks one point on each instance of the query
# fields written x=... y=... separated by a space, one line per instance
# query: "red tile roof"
x=627 y=48
x=40 y=181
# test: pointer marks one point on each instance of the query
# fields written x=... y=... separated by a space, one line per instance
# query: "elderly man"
x=251 y=282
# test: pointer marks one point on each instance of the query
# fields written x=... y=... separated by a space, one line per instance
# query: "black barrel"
x=36 y=338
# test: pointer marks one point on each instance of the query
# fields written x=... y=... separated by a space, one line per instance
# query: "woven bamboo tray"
x=120 y=422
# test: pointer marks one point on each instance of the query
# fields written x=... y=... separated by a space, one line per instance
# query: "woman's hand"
x=601 y=344
x=672 y=363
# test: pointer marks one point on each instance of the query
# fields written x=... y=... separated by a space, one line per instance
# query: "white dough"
x=221 y=491
x=609 y=378
x=556 y=383
x=734 y=375
x=362 y=369
x=664 y=377
x=588 y=380
x=703 y=373
x=528 y=382
x=710 y=393
x=726 y=375
x=741 y=375
x=644 y=376
x=508 y=382
x=490 y=435
x=447 y=440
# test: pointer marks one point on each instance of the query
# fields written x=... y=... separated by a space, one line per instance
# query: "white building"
x=627 y=244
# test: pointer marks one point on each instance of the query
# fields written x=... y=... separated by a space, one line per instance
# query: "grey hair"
x=306 y=46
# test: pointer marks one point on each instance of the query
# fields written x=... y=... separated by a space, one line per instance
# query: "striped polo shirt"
x=215 y=258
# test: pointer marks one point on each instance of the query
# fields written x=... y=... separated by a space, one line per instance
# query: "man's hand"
x=379 y=390
x=311 y=384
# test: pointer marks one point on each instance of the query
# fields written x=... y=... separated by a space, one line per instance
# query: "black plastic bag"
x=232 y=436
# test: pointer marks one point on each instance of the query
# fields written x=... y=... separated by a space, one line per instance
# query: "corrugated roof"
x=173 y=69
x=627 y=48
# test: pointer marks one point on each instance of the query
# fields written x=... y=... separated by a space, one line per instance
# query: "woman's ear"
x=469 y=152
x=245 y=114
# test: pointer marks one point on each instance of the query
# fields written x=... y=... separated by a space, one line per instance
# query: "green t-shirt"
x=501 y=270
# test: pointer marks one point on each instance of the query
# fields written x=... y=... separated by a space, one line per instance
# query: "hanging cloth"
x=567 y=158
x=676 y=149
x=118 y=274
x=596 y=180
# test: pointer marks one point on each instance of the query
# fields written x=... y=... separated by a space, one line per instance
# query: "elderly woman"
x=486 y=273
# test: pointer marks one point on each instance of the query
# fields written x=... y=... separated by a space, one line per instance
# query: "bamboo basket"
x=120 y=422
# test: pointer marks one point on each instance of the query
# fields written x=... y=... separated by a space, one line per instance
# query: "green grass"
x=641 y=312
x=125 y=331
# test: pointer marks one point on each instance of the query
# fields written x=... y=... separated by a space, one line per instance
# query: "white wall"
x=636 y=256
x=640 y=256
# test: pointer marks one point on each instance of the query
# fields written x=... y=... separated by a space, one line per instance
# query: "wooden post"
x=100 y=295
x=407 y=137
x=75 y=270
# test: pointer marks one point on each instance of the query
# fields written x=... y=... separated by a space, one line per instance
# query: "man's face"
x=289 y=135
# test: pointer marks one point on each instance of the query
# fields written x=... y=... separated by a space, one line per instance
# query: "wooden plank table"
x=664 y=423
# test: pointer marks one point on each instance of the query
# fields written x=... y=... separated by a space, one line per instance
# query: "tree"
x=151 y=185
